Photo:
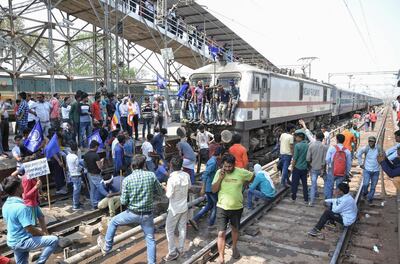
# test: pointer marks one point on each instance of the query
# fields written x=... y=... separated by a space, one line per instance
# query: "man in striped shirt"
x=137 y=194
x=22 y=113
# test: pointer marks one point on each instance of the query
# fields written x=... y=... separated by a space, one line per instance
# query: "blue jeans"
x=207 y=113
x=127 y=217
x=256 y=194
x=212 y=199
x=314 y=186
x=193 y=111
x=146 y=124
x=84 y=132
x=298 y=175
x=95 y=185
x=370 y=177
x=285 y=162
x=329 y=182
x=21 y=250
x=150 y=165
x=76 y=184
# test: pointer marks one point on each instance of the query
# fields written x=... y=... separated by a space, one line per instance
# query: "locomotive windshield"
x=205 y=78
x=224 y=80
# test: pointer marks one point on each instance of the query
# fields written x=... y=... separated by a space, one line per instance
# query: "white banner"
x=36 y=168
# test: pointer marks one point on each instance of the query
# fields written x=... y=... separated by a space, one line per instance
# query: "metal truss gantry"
x=39 y=39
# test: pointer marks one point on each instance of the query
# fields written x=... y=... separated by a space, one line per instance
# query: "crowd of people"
x=208 y=105
x=137 y=177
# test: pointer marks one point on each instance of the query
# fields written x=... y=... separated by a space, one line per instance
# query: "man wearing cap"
x=344 y=210
x=112 y=186
x=262 y=187
x=370 y=167
x=233 y=101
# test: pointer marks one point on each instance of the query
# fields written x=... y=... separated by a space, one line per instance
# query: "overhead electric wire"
x=367 y=29
x=359 y=32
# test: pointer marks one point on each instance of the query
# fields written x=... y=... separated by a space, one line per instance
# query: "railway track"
x=278 y=210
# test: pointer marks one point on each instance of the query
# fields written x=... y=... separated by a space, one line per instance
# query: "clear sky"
x=285 y=30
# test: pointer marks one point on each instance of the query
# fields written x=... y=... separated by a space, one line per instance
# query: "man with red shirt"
x=96 y=110
x=55 y=111
x=239 y=152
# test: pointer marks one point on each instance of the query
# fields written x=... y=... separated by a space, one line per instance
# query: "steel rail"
x=121 y=237
x=208 y=249
x=61 y=228
x=344 y=237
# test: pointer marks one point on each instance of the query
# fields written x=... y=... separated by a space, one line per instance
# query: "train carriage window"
x=264 y=84
x=256 y=85
x=301 y=91
x=325 y=94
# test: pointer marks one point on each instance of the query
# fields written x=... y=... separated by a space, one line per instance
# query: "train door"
x=264 y=99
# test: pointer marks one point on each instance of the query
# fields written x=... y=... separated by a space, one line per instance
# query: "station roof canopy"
x=148 y=35
x=198 y=15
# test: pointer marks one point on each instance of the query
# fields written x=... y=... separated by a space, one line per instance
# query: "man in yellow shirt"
x=228 y=183
x=349 y=138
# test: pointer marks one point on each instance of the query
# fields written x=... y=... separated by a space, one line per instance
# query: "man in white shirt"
x=286 y=141
x=327 y=135
x=344 y=210
x=123 y=111
x=43 y=114
x=4 y=125
x=167 y=113
x=32 y=111
x=203 y=138
x=147 y=148
x=75 y=175
x=177 y=189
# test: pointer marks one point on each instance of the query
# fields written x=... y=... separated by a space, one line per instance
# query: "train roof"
x=232 y=67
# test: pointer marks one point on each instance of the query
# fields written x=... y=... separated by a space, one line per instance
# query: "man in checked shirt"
x=137 y=194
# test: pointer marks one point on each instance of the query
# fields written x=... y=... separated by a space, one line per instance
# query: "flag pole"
x=120 y=188
x=48 y=190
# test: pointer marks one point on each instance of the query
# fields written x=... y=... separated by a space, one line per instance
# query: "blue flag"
x=161 y=82
x=214 y=51
x=52 y=147
x=96 y=136
x=35 y=138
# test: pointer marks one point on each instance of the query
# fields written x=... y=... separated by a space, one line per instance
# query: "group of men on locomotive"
x=205 y=104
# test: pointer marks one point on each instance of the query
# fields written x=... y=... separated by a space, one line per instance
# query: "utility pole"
x=306 y=63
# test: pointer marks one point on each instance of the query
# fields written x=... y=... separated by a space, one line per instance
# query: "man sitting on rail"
x=228 y=183
x=137 y=194
x=344 y=210
x=111 y=185
x=22 y=235
x=262 y=187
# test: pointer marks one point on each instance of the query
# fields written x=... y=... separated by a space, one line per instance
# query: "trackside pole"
x=48 y=190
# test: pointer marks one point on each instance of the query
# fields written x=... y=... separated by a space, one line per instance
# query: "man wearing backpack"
x=338 y=161
x=370 y=167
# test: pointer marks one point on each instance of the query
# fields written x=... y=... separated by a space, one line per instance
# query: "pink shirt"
x=55 y=108
x=31 y=194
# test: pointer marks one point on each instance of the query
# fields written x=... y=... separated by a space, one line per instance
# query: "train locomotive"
x=270 y=100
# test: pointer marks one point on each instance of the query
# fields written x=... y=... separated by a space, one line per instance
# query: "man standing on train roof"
x=223 y=99
x=233 y=101
x=370 y=166
x=228 y=183
x=199 y=95
x=208 y=98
